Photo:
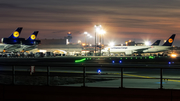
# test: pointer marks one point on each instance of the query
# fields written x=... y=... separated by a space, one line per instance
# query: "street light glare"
x=111 y=44
x=97 y=29
x=85 y=32
x=97 y=26
x=102 y=31
x=147 y=43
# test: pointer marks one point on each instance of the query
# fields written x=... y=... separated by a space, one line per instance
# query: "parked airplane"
x=30 y=43
x=13 y=42
x=129 y=50
x=166 y=46
x=156 y=43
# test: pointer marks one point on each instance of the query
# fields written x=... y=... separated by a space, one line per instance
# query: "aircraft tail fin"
x=33 y=35
x=16 y=33
x=169 y=41
x=156 y=43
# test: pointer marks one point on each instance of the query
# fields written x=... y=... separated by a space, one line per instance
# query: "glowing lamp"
x=173 y=55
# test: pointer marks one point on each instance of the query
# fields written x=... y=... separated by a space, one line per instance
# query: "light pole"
x=97 y=29
x=102 y=32
x=89 y=36
x=85 y=42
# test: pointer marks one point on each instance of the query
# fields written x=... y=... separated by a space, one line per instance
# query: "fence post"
x=13 y=75
x=161 y=73
x=48 y=74
x=122 y=77
x=84 y=75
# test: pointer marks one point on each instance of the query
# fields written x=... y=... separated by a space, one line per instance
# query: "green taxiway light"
x=136 y=57
x=81 y=60
x=121 y=58
x=145 y=57
x=131 y=57
x=151 y=57
x=126 y=58
x=140 y=57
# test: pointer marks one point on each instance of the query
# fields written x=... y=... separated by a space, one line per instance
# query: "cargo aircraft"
x=129 y=50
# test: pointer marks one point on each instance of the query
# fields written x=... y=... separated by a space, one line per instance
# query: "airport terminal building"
x=60 y=46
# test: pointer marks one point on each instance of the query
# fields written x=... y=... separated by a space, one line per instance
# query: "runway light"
x=99 y=71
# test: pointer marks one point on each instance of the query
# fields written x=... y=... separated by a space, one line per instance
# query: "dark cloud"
x=122 y=19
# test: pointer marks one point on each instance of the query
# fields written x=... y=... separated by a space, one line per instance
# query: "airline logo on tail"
x=170 y=40
x=33 y=37
x=16 y=34
x=156 y=43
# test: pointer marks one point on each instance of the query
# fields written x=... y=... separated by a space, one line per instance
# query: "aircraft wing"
x=9 y=47
x=29 y=47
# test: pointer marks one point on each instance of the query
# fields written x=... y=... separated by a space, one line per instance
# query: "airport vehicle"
x=13 y=42
x=129 y=50
x=30 y=43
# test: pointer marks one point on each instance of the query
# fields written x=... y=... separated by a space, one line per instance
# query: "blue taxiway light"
x=120 y=61
x=112 y=61
x=170 y=63
x=99 y=71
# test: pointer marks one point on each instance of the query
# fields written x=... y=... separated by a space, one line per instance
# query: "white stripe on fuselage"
x=127 y=48
x=157 y=49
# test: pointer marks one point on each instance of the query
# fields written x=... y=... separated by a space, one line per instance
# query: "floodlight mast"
x=97 y=27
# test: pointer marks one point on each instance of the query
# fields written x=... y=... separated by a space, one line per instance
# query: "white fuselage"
x=26 y=48
x=8 y=47
x=128 y=50
x=155 y=49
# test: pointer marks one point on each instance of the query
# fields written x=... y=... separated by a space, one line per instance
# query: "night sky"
x=137 y=20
